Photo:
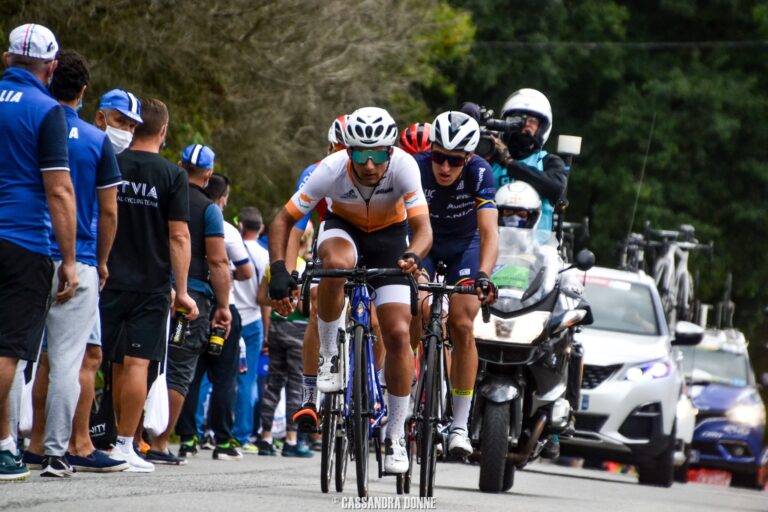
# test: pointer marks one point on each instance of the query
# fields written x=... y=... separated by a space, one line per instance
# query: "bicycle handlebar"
x=359 y=275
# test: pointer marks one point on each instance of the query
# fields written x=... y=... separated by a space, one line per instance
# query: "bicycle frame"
x=360 y=302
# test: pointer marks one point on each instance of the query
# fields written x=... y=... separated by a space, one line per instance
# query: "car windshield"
x=621 y=306
x=703 y=366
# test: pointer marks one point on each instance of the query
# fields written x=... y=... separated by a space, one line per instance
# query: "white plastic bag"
x=278 y=422
x=157 y=408
x=25 y=409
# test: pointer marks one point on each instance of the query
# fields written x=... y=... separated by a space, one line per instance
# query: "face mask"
x=513 y=221
x=120 y=139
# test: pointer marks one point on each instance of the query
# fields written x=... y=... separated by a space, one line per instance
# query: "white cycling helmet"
x=519 y=205
x=531 y=101
x=455 y=131
x=336 y=131
x=370 y=127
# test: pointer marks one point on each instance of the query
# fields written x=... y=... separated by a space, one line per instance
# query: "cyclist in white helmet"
x=459 y=188
x=374 y=195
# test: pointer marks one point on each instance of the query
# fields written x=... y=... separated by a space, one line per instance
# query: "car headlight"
x=523 y=329
x=747 y=414
x=649 y=371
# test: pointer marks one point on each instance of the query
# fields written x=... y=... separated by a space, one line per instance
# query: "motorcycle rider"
x=520 y=206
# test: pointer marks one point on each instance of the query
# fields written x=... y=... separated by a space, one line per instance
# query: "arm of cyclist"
x=421 y=242
x=282 y=287
x=292 y=249
x=487 y=225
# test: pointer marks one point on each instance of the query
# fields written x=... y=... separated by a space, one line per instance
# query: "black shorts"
x=134 y=324
x=377 y=249
x=25 y=288
x=182 y=361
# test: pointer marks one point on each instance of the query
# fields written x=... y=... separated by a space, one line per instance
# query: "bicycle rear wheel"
x=427 y=426
x=360 y=421
x=328 y=452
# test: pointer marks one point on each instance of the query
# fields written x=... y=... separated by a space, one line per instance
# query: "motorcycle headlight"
x=747 y=414
x=522 y=329
x=649 y=371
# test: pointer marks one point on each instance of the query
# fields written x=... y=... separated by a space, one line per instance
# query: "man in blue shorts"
x=459 y=189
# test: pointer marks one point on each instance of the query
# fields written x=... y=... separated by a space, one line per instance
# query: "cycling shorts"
x=462 y=261
x=377 y=249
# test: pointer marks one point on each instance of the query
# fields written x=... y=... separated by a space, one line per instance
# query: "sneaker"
x=458 y=443
x=316 y=445
x=12 y=467
x=55 y=466
x=135 y=463
x=208 y=442
x=32 y=460
x=188 y=449
x=306 y=418
x=328 y=376
x=395 y=456
x=297 y=450
x=96 y=462
x=226 y=452
x=551 y=449
x=249 y=449
x=266 y=447
x=166 y=457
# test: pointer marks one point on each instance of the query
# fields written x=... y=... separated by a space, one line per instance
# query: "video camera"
x=490 y=127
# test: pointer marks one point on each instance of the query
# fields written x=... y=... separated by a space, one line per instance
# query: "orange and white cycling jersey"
x=397 y=196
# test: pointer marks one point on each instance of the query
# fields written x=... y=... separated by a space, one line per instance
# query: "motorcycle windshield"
x=527 y=268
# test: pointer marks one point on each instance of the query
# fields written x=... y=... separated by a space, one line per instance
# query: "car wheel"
x=681 y=471
x=661 y=471
x=746 y=480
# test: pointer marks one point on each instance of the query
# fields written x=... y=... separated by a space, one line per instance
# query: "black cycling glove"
x=484 y=282
x=413 y=256
x=281 y=283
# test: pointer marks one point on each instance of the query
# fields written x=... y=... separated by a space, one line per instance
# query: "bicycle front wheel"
x=428 y=418
x=360 y=421
x=328 y=453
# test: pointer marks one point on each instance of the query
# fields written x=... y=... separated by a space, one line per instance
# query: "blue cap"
x=124 y=102
x=198 y=155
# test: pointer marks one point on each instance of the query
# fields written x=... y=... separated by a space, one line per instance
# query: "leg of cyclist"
x=395 y=318
x=336 y=249
x=461 y=316
x=306 y=417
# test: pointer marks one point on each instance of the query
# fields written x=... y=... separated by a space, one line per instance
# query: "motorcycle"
x=524 y=352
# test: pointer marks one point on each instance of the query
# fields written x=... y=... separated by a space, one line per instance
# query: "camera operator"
x=525 y=125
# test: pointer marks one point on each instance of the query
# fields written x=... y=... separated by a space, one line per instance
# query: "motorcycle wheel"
x=509 y=476
x=493 y=447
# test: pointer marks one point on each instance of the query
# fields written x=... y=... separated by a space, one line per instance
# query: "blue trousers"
x=247 y=383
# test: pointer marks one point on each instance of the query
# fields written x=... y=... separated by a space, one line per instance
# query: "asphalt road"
x=259 y=483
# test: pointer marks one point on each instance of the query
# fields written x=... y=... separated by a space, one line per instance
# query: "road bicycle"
x=359 y=410
x=432 y=415
x=632 y=256
x=670 y=271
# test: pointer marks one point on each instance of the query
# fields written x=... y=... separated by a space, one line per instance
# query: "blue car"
x=730 y=424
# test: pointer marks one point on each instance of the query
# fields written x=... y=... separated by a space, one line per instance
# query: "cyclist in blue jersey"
x=459 y=189
x=528 y=161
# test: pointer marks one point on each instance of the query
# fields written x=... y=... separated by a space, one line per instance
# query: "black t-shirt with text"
x=154 y=191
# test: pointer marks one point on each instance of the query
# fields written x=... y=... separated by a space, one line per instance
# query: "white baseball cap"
x=35 y=41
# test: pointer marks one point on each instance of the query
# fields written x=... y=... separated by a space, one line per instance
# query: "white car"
x=633 y=386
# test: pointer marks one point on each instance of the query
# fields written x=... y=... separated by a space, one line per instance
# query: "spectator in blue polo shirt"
x=119 y=114
x=95 y=176
x=35 y=192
